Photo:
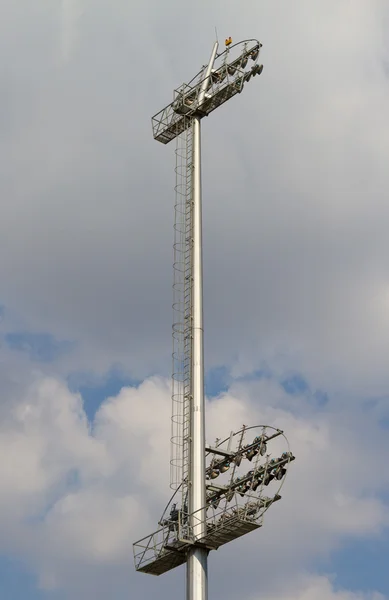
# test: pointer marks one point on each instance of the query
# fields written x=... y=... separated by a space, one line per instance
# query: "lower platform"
x=231 y=529
x=156 y=557
x=168 y=558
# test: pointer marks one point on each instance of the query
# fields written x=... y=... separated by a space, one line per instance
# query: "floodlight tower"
x=190 y=532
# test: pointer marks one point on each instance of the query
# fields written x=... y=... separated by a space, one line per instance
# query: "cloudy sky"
x=296 y=247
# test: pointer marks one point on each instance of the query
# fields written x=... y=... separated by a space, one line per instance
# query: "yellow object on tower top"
x=228 y=41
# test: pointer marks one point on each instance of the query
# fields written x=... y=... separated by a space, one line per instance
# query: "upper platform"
x=227 y=79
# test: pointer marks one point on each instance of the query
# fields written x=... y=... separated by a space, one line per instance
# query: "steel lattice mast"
x=190 y=533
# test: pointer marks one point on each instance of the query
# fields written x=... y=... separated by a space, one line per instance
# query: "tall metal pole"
x=197 y=581
x=187 y=533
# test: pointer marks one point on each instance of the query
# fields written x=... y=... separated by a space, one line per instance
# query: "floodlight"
x=224 y=467
x=254 y=54
x=257 y=70
x=280 y=473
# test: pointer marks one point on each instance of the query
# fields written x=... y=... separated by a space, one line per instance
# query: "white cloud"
x=75 y=497
x=320 y=588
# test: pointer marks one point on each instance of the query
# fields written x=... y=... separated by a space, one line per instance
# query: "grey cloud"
x=295 y=186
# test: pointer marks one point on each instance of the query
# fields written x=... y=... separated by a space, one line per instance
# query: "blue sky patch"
x=17 y=582
x=361 y=565
x=295 y=385
x=95 y=390
x=217 y=381
x=39 y=347
x=381 y=407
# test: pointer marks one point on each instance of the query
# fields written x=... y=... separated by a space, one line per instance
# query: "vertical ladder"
x=182 y=316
